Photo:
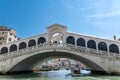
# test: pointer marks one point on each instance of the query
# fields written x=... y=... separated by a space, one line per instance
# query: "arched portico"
x=70 y=40
x=22 y=45
x=4 y=50
x=114 y=48
x=91 y=44
x=13 y=47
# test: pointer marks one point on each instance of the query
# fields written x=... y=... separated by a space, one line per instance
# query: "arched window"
x=4 y=50
x=91 y=44
x=22 y=45
x=102 y=46
x=41 y=40
x=81 y=42
x=13 y=47
x=31 y=43
x=71 y=40
x=114 y=48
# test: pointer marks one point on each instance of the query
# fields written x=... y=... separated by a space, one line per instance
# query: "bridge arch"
x=114 y=48
x=29 y=62
x=13 y=47
x=102 y=46
x=4 y=50
x=31 y=43
x=22 y=45
x=41 y=40
x=70 y=40
x=81 y=42
x=91 y=44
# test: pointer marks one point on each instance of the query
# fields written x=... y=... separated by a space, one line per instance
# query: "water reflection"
x=55 y=75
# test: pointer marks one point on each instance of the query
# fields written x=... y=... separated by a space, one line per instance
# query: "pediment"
x=56 y=27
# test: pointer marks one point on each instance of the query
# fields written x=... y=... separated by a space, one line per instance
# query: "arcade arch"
x=91 y=44
x=4 y=50
x=102 y=46
x=22 y=45
x=81 y=42
x=41 y=40
x=31 y=43
x=13 y=47
x=114 y=48
x=70 y=40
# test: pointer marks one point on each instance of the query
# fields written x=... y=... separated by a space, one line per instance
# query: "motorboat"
x=75 y=72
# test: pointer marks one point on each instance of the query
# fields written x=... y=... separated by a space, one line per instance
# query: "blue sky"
x=100 y=18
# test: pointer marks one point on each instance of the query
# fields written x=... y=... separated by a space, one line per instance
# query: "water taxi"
x=75 y=72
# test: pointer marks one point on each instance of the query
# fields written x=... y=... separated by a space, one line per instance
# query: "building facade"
x=7 y=35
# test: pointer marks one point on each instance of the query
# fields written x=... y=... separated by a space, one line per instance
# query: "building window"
x=11 y=34
x=2 y=32
x=0 y=38
x=0 y=43
x=10 y=39
x=15 y=36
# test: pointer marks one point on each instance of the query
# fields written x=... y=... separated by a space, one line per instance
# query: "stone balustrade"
x=45 y=47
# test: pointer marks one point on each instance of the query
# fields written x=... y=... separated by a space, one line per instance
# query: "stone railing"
x=52 y=47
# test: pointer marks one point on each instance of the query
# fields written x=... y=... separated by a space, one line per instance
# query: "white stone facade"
x=7 y=35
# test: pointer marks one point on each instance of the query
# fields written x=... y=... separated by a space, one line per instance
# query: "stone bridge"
x=98 y=54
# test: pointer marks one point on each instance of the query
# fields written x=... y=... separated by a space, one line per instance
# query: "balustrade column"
x=36 y=43
x=8 y=49
x=108 y=49
x=17 y=48
x=97 y=47
x=75 y=43
x=86 y=44
x=27 y=46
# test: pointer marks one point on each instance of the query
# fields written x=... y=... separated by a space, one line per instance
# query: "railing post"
x=8 y=50
x=97 y=47
x=108 y=50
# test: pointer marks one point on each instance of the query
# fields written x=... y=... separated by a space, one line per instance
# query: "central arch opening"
x=28 y=64
x=57 y=38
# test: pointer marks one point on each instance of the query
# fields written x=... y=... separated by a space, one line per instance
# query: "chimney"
x=114 y=37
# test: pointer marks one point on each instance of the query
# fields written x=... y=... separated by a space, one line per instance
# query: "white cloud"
x=109 y=14
x=74 y=8
x=102 y=15
x=106 y=8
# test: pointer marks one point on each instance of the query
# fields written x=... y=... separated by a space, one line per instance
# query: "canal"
x=56 y=75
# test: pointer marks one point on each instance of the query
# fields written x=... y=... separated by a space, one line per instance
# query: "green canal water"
x=55 y=76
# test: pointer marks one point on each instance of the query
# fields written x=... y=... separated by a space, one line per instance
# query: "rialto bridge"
x=98 y=54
